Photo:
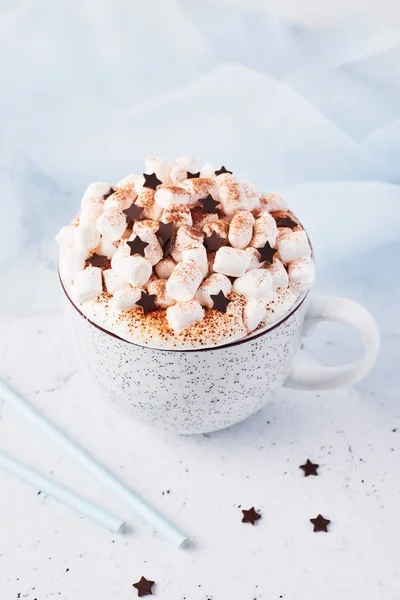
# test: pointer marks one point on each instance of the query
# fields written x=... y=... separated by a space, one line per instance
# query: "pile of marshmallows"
x=184 y=281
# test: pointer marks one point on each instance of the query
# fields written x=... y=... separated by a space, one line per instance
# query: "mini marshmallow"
x=265 y=230
x=128 y=180
x=184 y=281
x=153 y=252
x=214 y=284
x=272 y=202
x=188 y=162
x=281 y=302
x=177 y=214
x=254 y=258
x=87 y=284
x=165 y=267
x=112 y=281
x=165 y=196
x=197 y=254
x=65 y=237
x=253 y=195
x=140 y=226
x=106 y=248
x=95 y=192
x=136 y=269
x=200 y=218
x=126 y=297
x=159 y=166
x=221 y=228
x=71 y=262
x=91 y=211
x=231 y=196
x=302 y=274
x=181 y=316
x=256 y=284
x=208 y=170
x=186 y=237
x=293 y=245
x=151 y=210
x=121 y=199
x=86 y=236
x=140 y=181
x=153 y=277
x=254 y=312
x=112 y=224
x=279 y=274
x=199 y=188
x=178 y=174
x=231 y=261
x=241 y=229
x=158 y=287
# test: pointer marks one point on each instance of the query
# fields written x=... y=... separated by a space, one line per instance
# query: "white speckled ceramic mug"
x=197 y=391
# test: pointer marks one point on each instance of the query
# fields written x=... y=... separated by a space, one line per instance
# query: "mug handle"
x=318 y=377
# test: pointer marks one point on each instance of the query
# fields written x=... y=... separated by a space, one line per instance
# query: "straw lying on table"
x=153 y=517
x=61 y=493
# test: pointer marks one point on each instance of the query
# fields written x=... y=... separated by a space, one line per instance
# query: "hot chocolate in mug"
x=198 y=391
x=189 y=290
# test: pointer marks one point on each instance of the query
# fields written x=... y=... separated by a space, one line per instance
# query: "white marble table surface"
x=302 y=98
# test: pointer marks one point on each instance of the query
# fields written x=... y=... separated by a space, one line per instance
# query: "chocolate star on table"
x=209 y=205
x=320 y=524
x=267 y=253
x=220 y=302
x=192 y=175
x=285 y=222
x=133 y=212
x=147 y=302
x=213 y=242
x=250 y=516
x=165 y=230
x=151 y=181
x=309 y=468
x=112 y=191
x=97 y=260
x=222 y=170
x=144 y=586
x=137 y=246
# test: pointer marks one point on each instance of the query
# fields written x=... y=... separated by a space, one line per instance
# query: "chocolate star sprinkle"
x=151 y=181
x=220 y=302
x=222 y=170
x=250 y=516
x=97 y=260
x=309 y=468
x=133 y=212
x=267 y=253
x=112 y=191
x=165 y=230
x=137 y=246
x=209 y=205
x=285 y=222
x=192 y=175
x=320 y=524
x=147 y=302
x=213 y=242
x=144 y=587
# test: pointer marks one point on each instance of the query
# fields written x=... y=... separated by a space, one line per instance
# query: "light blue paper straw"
x=61 y=493
x=158 y=522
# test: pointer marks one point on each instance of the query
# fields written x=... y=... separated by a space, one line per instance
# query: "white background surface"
x=302 y=100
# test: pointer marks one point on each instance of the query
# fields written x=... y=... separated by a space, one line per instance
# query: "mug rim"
x=244 y=340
